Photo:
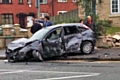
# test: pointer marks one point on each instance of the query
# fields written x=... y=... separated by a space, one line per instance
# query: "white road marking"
x=69 y=77
x=77 y=74
x=12 y=72
x=59 y=72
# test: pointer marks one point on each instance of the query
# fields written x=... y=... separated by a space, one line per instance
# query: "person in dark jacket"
x=35 y=27
x=47 y=21
x=90 y=23
x=81 y=21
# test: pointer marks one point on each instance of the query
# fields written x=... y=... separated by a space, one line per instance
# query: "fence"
x=68 y=17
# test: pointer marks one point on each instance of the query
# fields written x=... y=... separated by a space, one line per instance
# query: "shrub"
x=102 y=26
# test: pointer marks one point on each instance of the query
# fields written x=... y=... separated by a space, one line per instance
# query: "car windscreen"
x=39 y=34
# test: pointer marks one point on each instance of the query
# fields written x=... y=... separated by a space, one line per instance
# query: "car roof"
x=66 y=24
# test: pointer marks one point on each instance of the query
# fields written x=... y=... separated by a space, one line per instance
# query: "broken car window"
x=55 y=34
x=82 y=29
x=70 y=30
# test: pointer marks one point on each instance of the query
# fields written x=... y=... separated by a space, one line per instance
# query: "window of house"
x=7 y=18
x=6 y=1
x=61 y=12
x=73 y=0
x=43 y=1
x=115 y=6
x=28 y=1
x=62 y=0
x=42 y=15
x=20 y=1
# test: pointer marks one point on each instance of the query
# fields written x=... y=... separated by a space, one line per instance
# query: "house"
x=56 y=7
x=17 y=11
x=24 y=11
x=108 y=9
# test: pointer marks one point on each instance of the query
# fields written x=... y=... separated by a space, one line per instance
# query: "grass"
x=112 y=30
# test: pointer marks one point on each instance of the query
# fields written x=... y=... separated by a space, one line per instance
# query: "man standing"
x=90 y=23
x=36 y=26
x=47 y=22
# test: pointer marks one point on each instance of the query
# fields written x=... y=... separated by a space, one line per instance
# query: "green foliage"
x=1 y=33
x=85 y=2
x=102 y=26
x=112 y=30
x=88 y=5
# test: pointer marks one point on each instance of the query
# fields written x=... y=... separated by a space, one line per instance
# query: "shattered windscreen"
x=39 y=34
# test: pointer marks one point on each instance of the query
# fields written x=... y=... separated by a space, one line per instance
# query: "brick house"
x=23 y=11
x=108 y=9
x=56 y=7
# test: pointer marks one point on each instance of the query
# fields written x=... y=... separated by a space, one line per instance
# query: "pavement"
x=99 y=54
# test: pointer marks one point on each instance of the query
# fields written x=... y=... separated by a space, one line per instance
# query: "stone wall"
x=9 y=35
x=103 y=9
x=104 y=12
x=81 y=12
x=115 y=19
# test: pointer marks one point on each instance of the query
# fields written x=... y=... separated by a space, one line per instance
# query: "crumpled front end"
x=13 y=48
x=11 y=54
x=26 y=53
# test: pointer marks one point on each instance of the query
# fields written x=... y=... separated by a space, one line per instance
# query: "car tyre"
x=87 y=47
x=37 y=55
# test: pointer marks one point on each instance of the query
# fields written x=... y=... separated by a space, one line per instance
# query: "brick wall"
x=16 y=8
x=57 y=6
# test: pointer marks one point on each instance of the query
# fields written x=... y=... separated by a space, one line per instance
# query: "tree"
x=89 y=6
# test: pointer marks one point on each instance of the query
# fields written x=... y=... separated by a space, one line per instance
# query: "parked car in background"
x=52 y=41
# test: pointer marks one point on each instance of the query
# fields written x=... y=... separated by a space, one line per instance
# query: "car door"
x=72 y=38
x=52 y=43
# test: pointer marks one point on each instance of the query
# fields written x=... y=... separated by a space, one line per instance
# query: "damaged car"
x=52 y=41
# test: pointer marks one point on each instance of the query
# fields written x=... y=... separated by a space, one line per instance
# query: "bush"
x=102 y=26
x=112 y=30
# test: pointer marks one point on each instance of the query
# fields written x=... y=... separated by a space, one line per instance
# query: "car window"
x=82 y=29
x=39 y=34
x=55 y=34
x=70 y=30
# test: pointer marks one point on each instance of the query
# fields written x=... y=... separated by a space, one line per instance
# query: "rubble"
x=109 y=40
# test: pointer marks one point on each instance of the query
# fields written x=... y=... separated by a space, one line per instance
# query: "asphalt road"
x=53 y=70
x=100 y=54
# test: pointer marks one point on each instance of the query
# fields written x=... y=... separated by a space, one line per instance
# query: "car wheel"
x=37 y=55
x=87 y=47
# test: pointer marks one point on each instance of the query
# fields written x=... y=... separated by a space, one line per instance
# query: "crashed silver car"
x=52 y=41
